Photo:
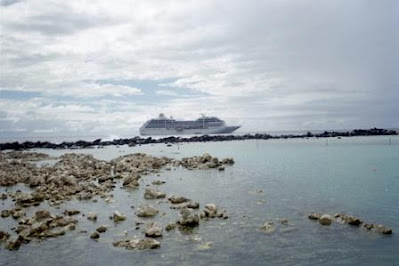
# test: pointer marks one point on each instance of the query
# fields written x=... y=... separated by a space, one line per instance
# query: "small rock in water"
x=102 y=229
x=71 y=212
x=205 y=246
x=118 y=217
x=92 y=217
x=138 y=244
x=188 y=217
x=42 y=214
x=153 y=229
x=152 y=193
x=146 y=211
x=95 y=235
x=314 y=216
x=284 y=221
x=177 y=199
x=325 y=219
x=170 y=226
x=268 y=227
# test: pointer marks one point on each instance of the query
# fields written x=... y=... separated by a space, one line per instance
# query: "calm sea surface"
x=357 y=176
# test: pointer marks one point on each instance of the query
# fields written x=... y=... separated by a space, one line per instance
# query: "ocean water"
x=270 y=180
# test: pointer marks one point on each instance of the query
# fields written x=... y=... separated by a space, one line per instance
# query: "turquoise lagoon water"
x=358 y=176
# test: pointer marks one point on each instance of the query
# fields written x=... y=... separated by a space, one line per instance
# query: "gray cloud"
x=269 y=65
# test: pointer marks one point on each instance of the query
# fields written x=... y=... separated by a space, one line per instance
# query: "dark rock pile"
x=204 y=138
x=326 y=219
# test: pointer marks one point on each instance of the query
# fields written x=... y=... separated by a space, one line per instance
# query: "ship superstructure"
x=169 y=126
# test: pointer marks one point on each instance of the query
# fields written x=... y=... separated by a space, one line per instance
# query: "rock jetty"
x=173 y=140
x=325 y=219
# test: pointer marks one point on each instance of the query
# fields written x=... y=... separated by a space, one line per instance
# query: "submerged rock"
x=138 y=244
x=153 y=229
x=205 y=246
x=146 y=211
x=152 y=193
x=325 y=219
x=352 y=220
x=102 y=229
x=268 y=227
x=92 y=217
x=314 y=216
x=118 y=217
x=170 y=226
x=5 y=213
x=188 y=217
x=71 y=212
x=95 y=235
x=158 y=182
x=177 y=199
x=42 y=214
x=14 y=242
x=4 y=235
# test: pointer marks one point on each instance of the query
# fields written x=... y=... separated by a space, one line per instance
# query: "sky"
x=87 y=68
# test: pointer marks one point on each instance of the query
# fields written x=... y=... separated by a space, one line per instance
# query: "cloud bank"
x=101 y=67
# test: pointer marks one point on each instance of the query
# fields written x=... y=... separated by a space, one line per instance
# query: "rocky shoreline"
x=204 y=138
x=79 y=177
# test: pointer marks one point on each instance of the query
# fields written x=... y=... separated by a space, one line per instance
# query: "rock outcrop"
x=146 y=211
x=138 y=244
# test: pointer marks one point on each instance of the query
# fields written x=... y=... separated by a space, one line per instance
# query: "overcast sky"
x=90 y=67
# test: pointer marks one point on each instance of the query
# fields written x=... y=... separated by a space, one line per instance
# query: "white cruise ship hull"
x=174 y=131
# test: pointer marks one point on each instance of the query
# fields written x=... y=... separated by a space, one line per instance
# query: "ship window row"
x=181 y=124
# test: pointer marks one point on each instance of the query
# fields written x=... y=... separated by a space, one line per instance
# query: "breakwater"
x=203 y=138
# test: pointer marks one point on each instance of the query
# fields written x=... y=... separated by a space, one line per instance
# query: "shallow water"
x=358 y=176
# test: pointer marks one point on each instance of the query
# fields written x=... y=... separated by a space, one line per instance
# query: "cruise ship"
x=168 y=126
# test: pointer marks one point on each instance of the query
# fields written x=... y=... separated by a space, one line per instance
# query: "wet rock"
x=170 y=226
x=153 y=229
x=4 y=235
x=102 y=229
x=138 y=244
x=146 y=211
x=268 y=227
x=118 y=217
x=325 y=219
x=42 y=214
x=284 y=221
x=188 y=217
x=314 y=216
x=103 y=179
x=352 y=220
x=205 y=246
x=177 y=199
x=53 y=233
x=5 y=213
x=92 y=217
x=35 y=181
x=16 y=214
x=71 y=212
x=152 y=193
x=131 y=180
x=14 y=242
x=3 y=196
x=189 y=204
x=95 y=235
x=383 y=230
x=210 y=211
x=378 y=228
x=37 y=228
x=63 y=221
x=221 y=168
x=158 y=182
x=229 y=161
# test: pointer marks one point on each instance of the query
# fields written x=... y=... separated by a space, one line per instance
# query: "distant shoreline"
x=81 y=144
